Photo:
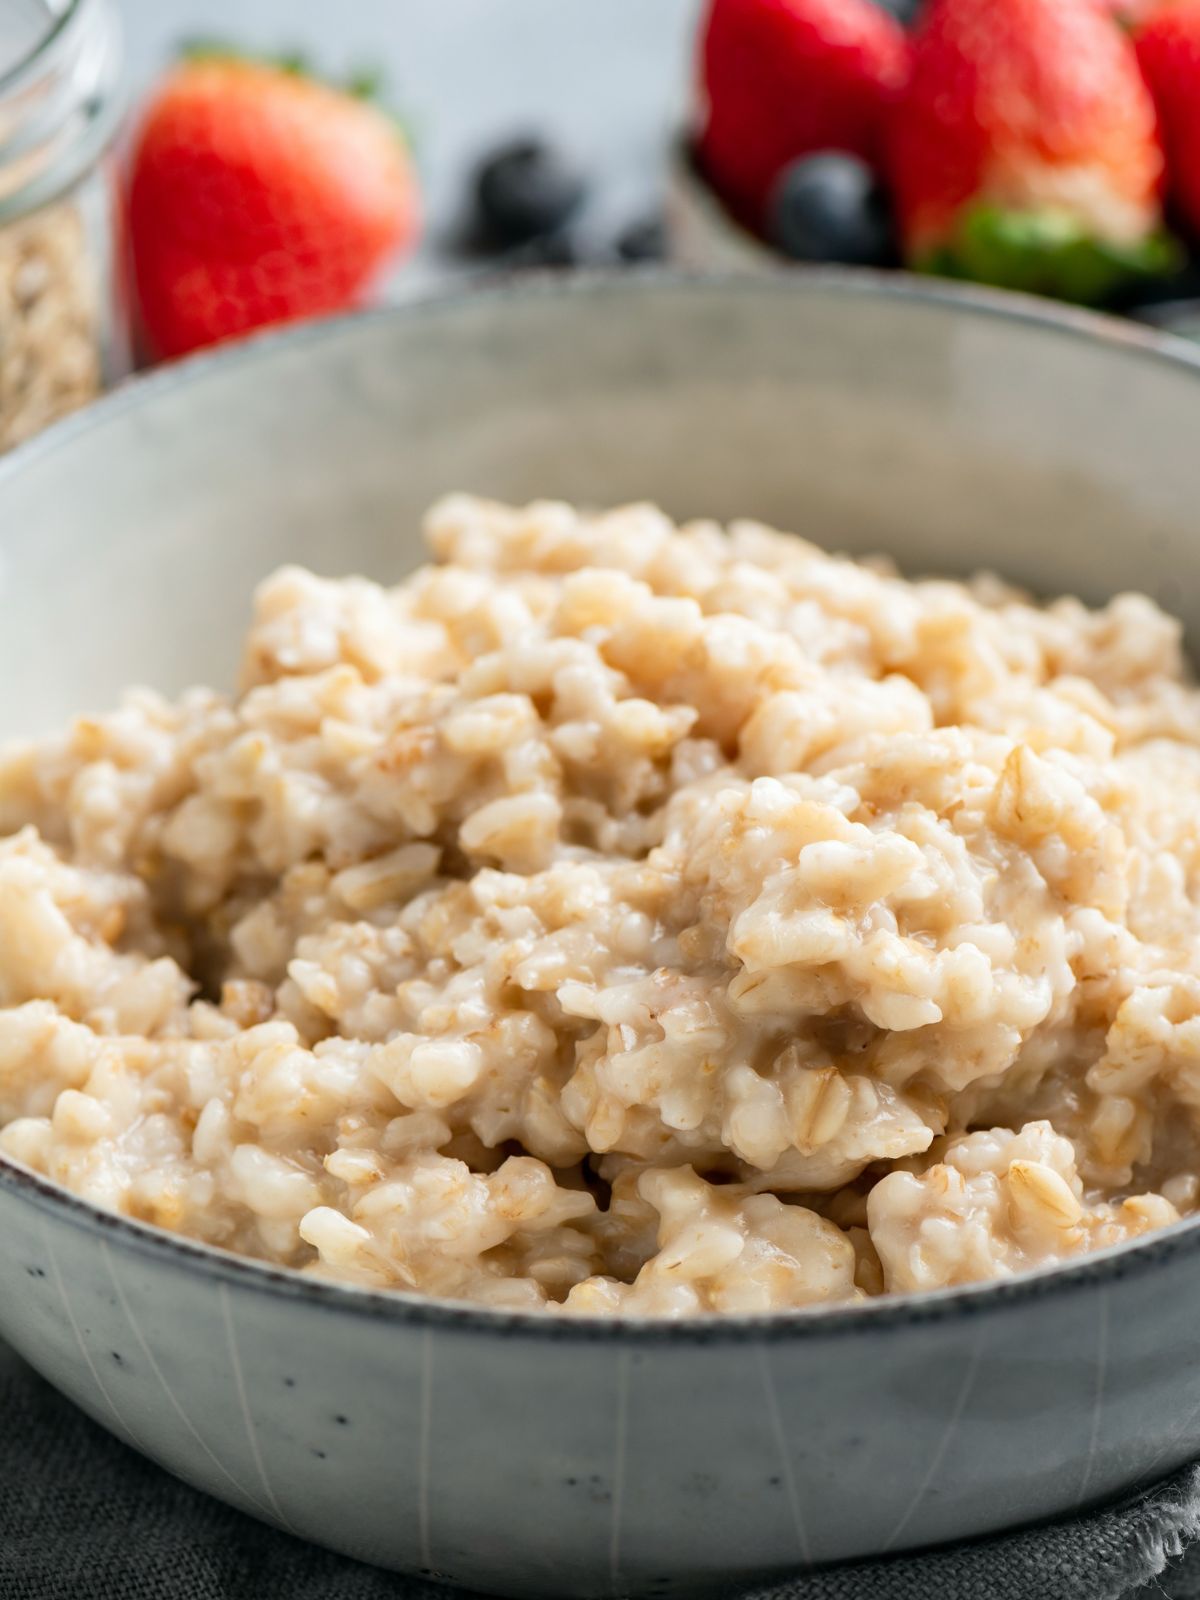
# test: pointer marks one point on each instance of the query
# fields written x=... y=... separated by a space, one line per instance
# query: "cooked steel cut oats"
x=617 y=918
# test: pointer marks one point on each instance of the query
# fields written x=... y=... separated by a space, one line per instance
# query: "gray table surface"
x=609 y=78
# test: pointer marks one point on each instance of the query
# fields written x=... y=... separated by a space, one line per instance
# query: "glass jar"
x=64 y=323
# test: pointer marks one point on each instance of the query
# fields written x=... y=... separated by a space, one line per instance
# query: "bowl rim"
x=1130 y=1258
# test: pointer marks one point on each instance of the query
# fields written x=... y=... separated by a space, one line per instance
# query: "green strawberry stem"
x=1048 y=252
x=365 y=82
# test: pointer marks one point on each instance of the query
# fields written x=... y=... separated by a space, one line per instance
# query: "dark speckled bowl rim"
x=1131 y=1259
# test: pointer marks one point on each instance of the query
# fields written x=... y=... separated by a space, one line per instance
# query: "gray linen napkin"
x=84 y=1518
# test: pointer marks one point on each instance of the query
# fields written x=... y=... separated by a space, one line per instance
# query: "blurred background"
x=605 y=79
x=178 y=173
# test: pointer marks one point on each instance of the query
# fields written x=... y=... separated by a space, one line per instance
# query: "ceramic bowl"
x=536 y=1456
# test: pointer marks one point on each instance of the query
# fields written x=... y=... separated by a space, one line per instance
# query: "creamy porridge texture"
x=617 y=918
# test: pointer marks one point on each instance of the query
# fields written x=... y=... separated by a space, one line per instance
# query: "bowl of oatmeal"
x=614 y=1046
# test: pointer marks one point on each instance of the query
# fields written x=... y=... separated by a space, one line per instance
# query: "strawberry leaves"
x=1048 y=252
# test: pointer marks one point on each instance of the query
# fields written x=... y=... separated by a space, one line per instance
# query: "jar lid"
x=60 y=96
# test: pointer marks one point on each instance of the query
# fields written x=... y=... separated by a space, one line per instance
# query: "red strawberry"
x=1168 y=50
x=1124 y=12
x=1025 y=149
x=1129 y=13
x=259 y=196
x=782 y=78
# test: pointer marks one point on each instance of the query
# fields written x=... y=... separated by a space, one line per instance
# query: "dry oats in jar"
x=63 y=324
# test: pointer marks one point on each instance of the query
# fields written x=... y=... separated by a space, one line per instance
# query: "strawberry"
x=784 y=78
x=258 y=195
x=1025 y=150
x=1129 y=13
x=1168 y=51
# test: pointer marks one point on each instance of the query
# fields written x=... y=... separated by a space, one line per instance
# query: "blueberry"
x=558 y=249
x=643 y=241
x=905 y=12
x=526 y=190
x=830 y=207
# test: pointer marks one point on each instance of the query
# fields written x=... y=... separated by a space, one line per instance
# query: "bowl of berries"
x=1049 y=146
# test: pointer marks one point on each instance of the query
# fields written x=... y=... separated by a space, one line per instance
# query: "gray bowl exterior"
x=523 y=1455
